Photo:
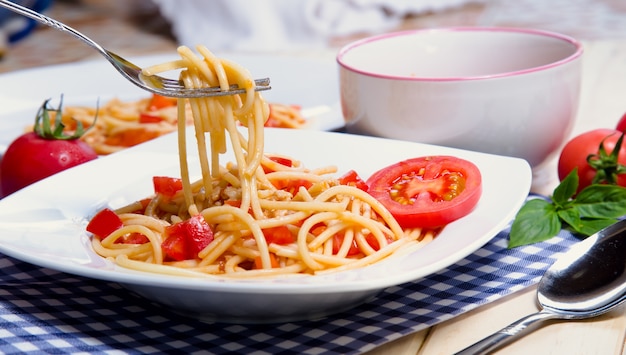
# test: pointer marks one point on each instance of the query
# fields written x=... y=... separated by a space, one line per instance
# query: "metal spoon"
x=586 y=281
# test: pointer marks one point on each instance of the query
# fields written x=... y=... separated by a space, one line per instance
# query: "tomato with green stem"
x=43 y=152
x=599 y=156
x=429 y=191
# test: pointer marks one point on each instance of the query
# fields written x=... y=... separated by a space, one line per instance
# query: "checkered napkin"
x=46 y=311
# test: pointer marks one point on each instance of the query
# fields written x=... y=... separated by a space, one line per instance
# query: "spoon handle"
x=506 y=334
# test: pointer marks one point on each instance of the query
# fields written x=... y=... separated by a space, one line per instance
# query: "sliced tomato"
x=351 y=178
x=105 y=222
x=186 y=239
x=279 y=235
x=427 y=191
x=167 y=186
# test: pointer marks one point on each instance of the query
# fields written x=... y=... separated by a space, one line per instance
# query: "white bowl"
x=505 y=91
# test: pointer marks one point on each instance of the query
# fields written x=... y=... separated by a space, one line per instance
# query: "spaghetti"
x=261 y=215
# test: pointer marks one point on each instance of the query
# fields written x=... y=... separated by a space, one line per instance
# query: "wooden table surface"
x=600 y=24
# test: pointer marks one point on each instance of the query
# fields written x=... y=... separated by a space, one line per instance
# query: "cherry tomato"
x=45 y=151
x=427 y=191
x=31 y=158
x=575 y=154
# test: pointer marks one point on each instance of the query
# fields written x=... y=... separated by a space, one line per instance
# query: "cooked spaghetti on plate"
x=260 y=215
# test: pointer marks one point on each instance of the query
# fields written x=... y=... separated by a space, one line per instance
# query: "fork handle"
x=24 y=11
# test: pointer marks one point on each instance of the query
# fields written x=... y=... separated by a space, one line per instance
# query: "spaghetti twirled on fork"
x=268 y=215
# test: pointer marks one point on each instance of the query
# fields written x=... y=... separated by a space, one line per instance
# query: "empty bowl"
x=505 y=91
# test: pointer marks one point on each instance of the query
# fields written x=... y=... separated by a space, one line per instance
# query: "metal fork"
x=153 y=83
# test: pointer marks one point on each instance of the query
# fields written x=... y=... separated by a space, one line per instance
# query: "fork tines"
x=170 y=84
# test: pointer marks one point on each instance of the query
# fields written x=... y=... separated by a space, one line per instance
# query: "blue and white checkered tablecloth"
x=46 y=311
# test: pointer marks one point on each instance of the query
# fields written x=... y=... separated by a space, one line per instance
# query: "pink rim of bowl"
x=577 y=50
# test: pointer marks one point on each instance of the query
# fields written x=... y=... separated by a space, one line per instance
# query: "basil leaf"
x=571 y=216
x=566 y=189
x=536 y=221
x=589 y=226
x=601 y=201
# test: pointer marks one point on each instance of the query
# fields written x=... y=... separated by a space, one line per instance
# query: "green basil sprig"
x=595 y=207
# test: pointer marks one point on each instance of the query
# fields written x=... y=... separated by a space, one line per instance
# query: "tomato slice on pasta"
x=427 y=191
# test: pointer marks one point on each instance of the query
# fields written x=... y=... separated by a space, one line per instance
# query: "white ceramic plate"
x=44 y=224
x=307 y=81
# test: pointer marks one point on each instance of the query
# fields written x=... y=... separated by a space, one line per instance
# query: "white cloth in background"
x=268 y=25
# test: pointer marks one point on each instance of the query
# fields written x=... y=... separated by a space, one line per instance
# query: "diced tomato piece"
x=175 y=248
x=258 y=264
x=186 y=239
x=105 y=222
x=234 y=203
x=280 y=160
x=354 y=248
x=338 y=241
x=158 y=102
x=147 y=118
x=279 y=235
x=133 y=238
x=144 y=203
x=167 y=186
x=291 y=186
x=351 y=178
x=318 y=229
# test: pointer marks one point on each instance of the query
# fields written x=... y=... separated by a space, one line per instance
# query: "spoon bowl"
x=586 y=281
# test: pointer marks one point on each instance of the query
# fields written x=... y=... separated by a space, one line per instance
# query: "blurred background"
x=157 y=26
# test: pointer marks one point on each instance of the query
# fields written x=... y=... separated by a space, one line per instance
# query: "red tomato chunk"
x=167 y=186
x=186 y=239
x=104 y=223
